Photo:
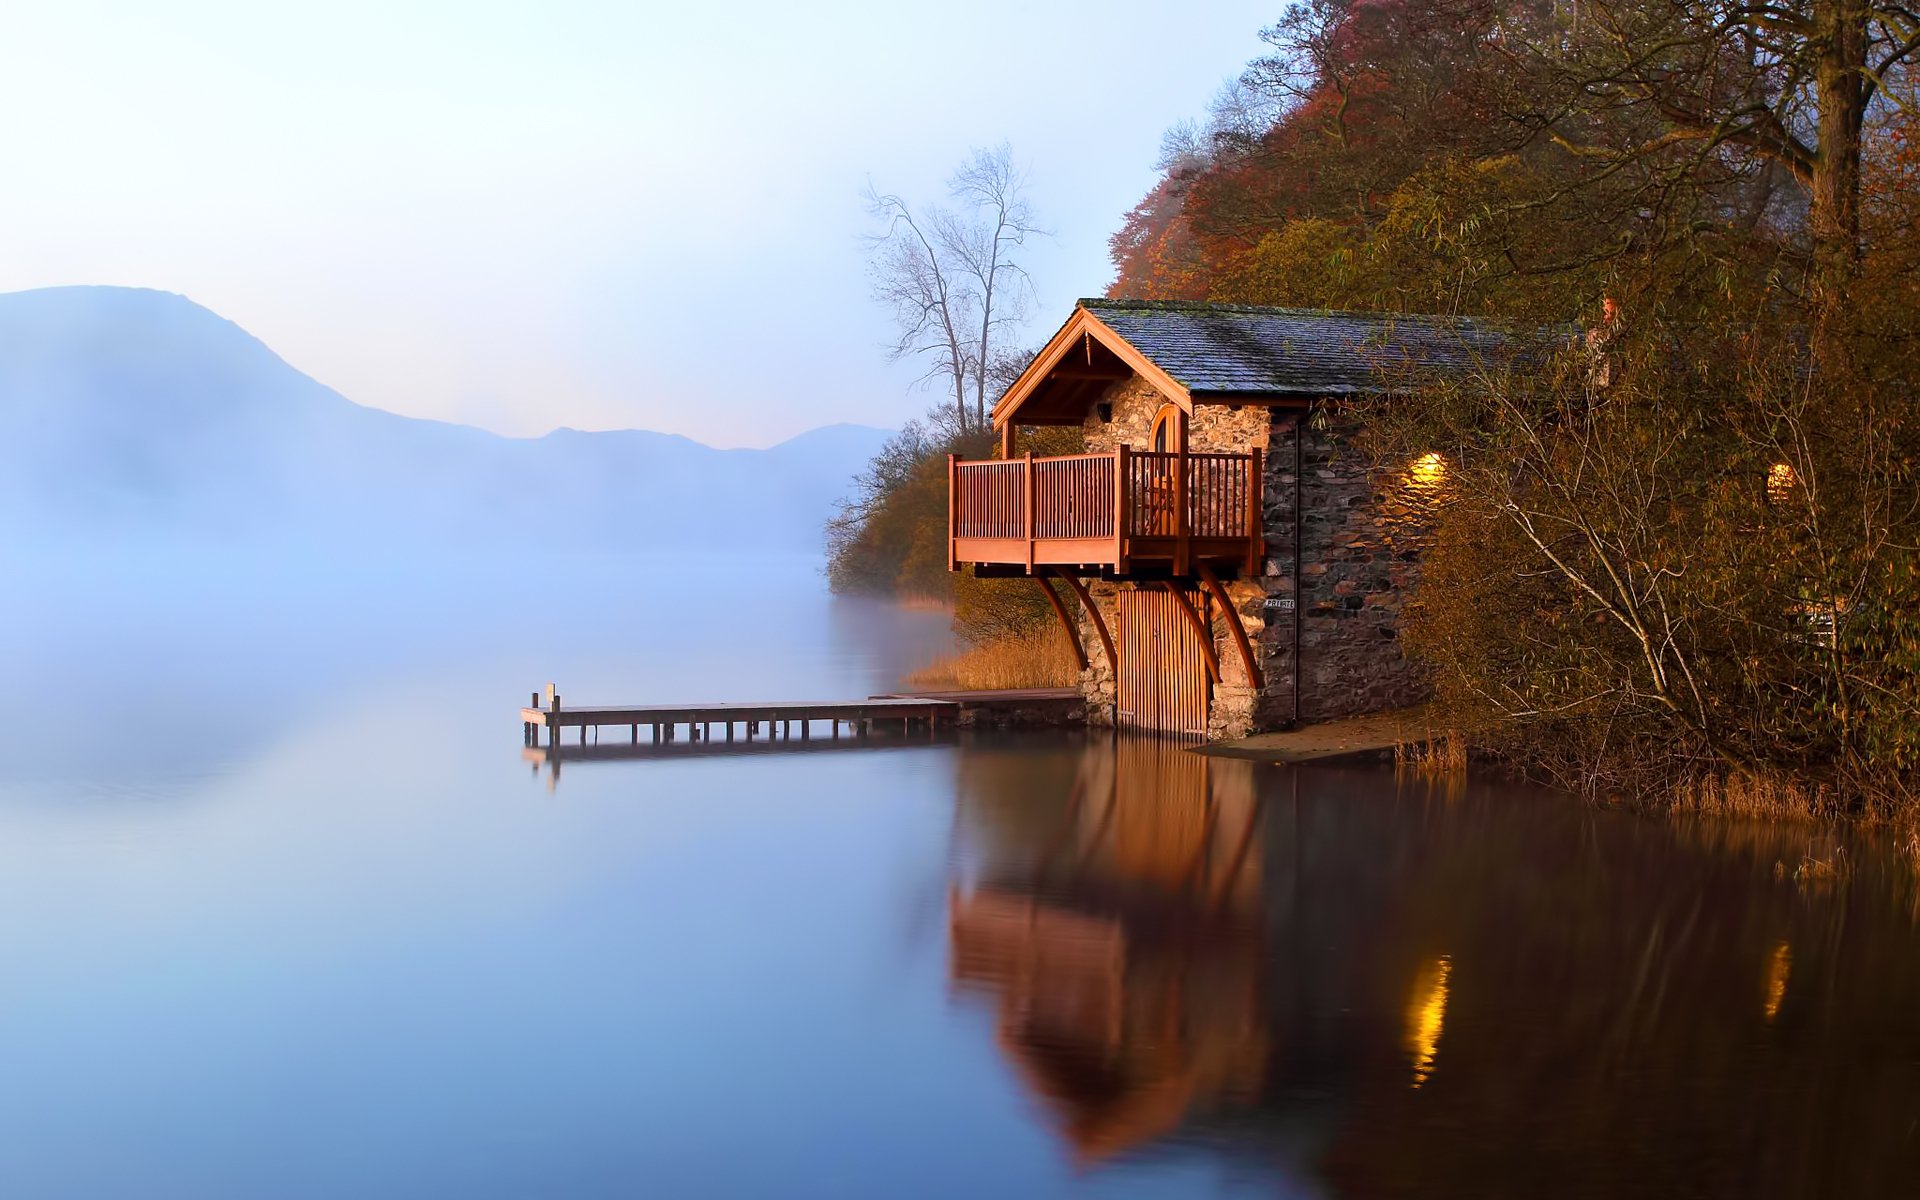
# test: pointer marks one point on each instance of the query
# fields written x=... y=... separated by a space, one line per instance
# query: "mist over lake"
x=129 y=416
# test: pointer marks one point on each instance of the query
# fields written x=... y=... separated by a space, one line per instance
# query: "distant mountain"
x=128 y=412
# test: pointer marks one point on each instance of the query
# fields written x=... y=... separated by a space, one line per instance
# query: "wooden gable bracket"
x=1093 y=611
x=1234 y=626
x=1084 y=329
x=1200 y=628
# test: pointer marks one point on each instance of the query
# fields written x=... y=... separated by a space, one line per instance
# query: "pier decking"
x=763 y=723
x=770 y=720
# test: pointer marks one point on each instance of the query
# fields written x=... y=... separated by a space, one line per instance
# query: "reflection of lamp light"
x=1427 y=471
x=1779 y=963
x=1780 y=481
x=1426 y=1012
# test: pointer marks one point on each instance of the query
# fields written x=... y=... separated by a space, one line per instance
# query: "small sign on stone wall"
x=1281 y=603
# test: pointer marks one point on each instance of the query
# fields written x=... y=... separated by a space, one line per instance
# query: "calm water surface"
x=284 y=913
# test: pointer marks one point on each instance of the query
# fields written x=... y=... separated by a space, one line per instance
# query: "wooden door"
x=1163 y=683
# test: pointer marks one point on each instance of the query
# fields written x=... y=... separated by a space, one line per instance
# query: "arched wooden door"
x=1163 y=685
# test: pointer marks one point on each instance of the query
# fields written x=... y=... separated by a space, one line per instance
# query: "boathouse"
x=1232 y=561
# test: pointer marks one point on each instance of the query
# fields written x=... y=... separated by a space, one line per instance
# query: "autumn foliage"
x=1679 y=556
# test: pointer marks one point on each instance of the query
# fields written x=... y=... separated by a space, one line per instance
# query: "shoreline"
x=1372 y=736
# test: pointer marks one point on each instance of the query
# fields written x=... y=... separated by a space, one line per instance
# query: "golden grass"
x=1437 y=756
x=1743 y=794
x=1040 y=659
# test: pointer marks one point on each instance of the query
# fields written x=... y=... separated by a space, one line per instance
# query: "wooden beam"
x=1030 y=502
x=1256 y=512
x=953 y=517
x=1185 y=606
x=1234 y=626
x=1182 y=524
x=1096 y=374
x=1143 y=366
x=1060 y=610
x=1093 y=611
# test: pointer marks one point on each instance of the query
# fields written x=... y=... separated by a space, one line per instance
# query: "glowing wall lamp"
x=1780 y=481
x=1427 y=472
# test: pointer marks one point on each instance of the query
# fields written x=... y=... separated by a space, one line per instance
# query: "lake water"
x=283 y=912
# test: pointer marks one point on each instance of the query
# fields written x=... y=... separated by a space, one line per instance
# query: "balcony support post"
x=1030 y=502
x=1200 y=628
x=1256 y=513
x=1122 y=509
x=1182 y=524
x=1093 y=613
x=1060 y=610
x=953 y=514
x=1232 y=618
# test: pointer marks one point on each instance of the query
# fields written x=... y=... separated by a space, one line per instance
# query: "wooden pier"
x=748 y=721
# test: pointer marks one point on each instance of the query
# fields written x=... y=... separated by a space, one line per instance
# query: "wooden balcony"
x=1112 y=514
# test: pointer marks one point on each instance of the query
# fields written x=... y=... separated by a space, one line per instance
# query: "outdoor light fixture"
x=1780 y=481
x=1427 y=471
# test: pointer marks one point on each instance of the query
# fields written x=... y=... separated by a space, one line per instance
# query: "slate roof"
x=1300 y=351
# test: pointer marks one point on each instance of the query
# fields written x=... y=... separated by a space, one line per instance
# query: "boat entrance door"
x=1163 y=685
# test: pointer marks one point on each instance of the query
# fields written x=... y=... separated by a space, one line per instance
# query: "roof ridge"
x=1208 y=306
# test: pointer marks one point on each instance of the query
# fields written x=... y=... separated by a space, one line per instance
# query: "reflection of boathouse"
x=1125 y=959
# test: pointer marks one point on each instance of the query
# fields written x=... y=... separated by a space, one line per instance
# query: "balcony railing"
x=1122 y=510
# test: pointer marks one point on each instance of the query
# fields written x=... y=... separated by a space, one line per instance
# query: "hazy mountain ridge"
x=129 y=412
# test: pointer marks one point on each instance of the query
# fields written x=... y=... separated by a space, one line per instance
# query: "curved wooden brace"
x=1093 y=610
x=1238 y=630
x=1199 y=628
x=1073 y=630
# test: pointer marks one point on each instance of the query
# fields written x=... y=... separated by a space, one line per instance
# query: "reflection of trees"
x=1482 y=994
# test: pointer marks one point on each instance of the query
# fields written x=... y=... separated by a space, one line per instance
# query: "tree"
x=952 y=276
x=1675 y=86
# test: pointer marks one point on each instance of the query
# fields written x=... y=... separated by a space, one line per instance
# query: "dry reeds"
x=1442 y=756
x=1036 y=659
x=1752 y=794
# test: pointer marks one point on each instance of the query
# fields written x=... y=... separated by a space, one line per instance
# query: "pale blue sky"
x=600 y=215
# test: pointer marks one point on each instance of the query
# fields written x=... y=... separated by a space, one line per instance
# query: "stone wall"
x=1213 y=428
x=1361 y=533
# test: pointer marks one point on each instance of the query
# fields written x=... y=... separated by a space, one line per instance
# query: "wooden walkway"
x=769 y=720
